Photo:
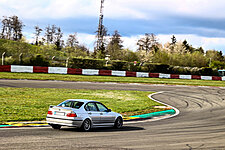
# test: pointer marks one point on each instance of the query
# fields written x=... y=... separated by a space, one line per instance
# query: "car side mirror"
x=109 y=110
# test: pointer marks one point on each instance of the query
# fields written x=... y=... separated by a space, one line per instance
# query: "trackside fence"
x=63 y=70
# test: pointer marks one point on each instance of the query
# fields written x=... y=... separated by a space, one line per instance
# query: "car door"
x=106 y=115
x=93 y=112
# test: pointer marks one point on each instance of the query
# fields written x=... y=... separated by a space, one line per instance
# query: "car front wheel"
x=118 y=123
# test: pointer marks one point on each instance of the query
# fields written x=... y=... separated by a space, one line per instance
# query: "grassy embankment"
x=29 y=104
x=35 y=76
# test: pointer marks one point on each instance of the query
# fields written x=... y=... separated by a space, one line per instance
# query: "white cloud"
x=207 y=43
x=141 y=9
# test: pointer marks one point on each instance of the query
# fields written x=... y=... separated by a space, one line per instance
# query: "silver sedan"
x=84 y=114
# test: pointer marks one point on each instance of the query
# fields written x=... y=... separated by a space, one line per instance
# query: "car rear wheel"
x=86 y=126
x=55 y=126
x=118 y=123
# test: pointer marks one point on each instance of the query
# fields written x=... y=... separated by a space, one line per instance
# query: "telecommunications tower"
x=100 y=31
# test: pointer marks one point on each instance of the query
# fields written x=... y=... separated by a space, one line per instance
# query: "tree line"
x=49 y=42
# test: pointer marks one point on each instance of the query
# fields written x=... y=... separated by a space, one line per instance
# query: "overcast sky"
x=200 y=22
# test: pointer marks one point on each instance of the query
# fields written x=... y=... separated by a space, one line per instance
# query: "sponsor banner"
x=119 y=73
x=142 y=75
x=185 y=76
x=166 y=76
x=90 y=72
x=57 y=70
x=28 y=69
x=206 y=77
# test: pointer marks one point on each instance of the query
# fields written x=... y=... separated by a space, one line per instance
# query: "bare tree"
x=37 y=33
x=72 y=40
x=11 y=28
x=58 y=37
x=4 y=27
x=49 y=33
x=147 y=43
x=17 y=26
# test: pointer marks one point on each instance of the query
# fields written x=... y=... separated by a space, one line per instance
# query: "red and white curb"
x=63 y=70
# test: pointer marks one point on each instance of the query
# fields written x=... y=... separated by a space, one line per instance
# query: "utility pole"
x=100 y=27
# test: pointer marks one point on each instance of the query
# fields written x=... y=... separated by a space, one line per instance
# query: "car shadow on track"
x=105 y=129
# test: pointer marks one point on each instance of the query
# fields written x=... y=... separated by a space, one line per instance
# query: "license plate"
x=59 y=113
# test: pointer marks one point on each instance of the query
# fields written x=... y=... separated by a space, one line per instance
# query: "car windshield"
x=72 y=104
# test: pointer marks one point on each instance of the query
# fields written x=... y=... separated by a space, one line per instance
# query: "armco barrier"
x=27 y=69
x=196 y=77
x=6 y=68
x=131 y=74
x=174 y=76
x=40 y=69
x=217 y=78
x=154 y=75
x=90 y=72
x=206 y=77
x=74 y=71
x=119 y=73
x=63 y=70
x=185 y=77
x=57 y=70
x=105 y=72
x=142 y=75
x=166 y=76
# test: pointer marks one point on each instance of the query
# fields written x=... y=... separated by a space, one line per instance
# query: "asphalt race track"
x=200 y=124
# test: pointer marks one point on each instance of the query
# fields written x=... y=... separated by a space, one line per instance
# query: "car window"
x=101 y=107
x=66 y=104
x=91 y=107
x=77 y=105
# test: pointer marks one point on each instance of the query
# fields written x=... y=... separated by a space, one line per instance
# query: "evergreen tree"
x=115 y=46
x=100 y=49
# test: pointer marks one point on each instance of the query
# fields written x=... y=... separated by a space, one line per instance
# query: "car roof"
x=81 y=100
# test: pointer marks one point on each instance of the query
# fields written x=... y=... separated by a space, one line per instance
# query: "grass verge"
x=30 y=104
x=38 y=76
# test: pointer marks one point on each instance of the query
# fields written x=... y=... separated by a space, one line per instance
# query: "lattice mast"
x=100 y=26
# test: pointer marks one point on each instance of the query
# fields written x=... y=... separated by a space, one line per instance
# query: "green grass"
x=30 y=104
x=35 y=76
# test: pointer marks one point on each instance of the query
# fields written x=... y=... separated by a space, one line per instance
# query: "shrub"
x=134 y=67
x=38 y=60
x=85 y=63
x=119 y=65
x=159 y=68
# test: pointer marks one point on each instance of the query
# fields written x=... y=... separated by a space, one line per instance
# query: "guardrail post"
x=3 y=57
x=20 y=58
x=67 y=62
